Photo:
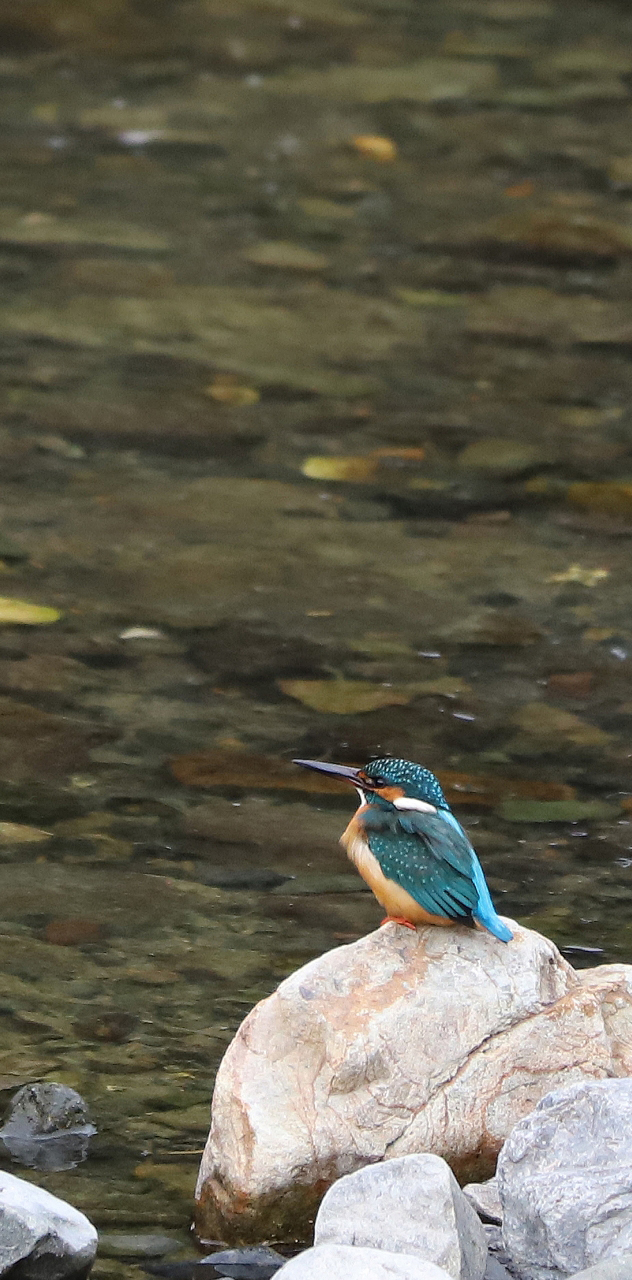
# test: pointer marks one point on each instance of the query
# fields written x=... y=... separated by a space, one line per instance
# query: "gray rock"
x=257 y=878
x=344 y=1262
x=496 y=1271
x=565 y=1180
x=256 y=1262
x=43 y=1109
x=410 y=1205
x=609 y=1269
x=47 y=1127
x=485 y=1200
x=115 y=1244
x=49 y=1238
x=499 y=1264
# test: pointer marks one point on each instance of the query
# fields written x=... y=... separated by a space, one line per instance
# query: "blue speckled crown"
x=419 y=783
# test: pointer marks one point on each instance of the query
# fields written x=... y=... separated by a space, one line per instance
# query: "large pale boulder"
x=565 y=1181
x=437 y=1041
x=411 y=1205
x=344 y=1262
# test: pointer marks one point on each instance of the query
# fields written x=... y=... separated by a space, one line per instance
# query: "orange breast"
x=395 y=900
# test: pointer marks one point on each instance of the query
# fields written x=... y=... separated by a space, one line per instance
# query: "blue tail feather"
x=485 y=913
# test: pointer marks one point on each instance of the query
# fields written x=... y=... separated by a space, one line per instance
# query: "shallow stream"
x=316 y=383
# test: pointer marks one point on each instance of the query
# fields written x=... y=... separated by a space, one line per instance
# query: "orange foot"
x=397 y=920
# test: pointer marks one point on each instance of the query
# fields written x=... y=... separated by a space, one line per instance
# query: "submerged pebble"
x=285 y=256
x=501 y=457
x=117 y=1245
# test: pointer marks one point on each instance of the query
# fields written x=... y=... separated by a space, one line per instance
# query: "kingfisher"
x=411 y=850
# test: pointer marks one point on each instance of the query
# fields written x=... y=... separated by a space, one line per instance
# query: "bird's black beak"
x=343 y=771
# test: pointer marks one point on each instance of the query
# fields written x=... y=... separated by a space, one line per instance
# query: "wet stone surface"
x=315 y=440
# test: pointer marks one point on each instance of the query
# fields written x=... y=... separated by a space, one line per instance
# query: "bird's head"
x=388 y=782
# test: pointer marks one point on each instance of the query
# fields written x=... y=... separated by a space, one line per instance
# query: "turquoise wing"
x=428 y=858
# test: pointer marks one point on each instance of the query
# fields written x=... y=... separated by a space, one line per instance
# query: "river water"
x=316 y=438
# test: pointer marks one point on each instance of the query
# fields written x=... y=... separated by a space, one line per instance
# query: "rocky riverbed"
x=315 y=440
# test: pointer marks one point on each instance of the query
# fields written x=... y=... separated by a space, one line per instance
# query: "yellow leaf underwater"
x=577 y=573
x=358 y=469
x=227 y=390
x=351 y=697
x=21 y=613
x=375 y=147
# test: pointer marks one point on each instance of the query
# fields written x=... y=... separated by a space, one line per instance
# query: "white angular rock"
x=48 y=1237
x=439 y=1040
x=344 y=1262
x=565 y=1181
x=413 y=1205
x=612 y=984
x=610 y=1269
x=484 y=1198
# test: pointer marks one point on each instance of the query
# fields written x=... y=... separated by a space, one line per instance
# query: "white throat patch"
x=406 y=802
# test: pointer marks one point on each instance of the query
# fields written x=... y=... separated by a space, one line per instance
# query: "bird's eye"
x=379 y=782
